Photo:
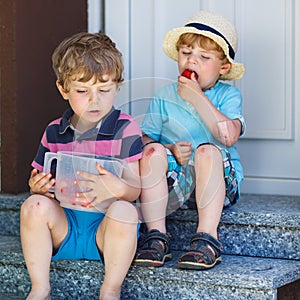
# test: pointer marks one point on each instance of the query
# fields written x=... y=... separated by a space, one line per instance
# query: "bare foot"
x=39 y=295
x=109 y=295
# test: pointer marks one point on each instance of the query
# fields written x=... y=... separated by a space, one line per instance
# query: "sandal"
x=153 y=249
x=200 y=256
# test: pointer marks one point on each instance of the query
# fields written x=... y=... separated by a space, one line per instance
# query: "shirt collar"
x=65 y=121
x=107 y=125
x=109 y=122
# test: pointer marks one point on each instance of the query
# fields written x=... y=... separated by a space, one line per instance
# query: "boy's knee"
x=154 y=157
x=35 y=205
x=153 y=149
x=207 y=151
x=123 y=211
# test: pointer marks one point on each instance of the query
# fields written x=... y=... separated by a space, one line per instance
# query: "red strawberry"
x=188 y=74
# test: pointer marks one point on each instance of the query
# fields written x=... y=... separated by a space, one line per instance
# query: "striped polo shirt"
x=118 y=136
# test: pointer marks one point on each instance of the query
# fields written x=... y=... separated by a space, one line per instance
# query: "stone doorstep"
x=264 y=210
x=251 y=209
x=249 y=240
x=12 y=202
x=10 y=296
x=10 y=213
x=237 y=277
x=256 y=226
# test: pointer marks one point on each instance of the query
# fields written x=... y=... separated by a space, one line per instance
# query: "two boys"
x=189 y=136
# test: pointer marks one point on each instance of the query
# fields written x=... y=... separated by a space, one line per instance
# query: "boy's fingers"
x=49 y=195
x=84 y=183
x=33 y=172
x=85 y=175
x=100 y=169
x=184 y=143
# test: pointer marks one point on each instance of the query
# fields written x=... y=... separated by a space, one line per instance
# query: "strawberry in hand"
x=188 y=74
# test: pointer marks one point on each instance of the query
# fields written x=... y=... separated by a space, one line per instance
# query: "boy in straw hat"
x=190 y=131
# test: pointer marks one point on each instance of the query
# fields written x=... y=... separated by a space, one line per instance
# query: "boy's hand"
x=40 y=183
x=100 y=188
x=182 y=151
x=189 y=89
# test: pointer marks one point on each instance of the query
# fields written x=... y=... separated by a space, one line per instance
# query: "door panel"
x=269 y=46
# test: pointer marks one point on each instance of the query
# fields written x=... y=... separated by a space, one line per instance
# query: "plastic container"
x=64 y=167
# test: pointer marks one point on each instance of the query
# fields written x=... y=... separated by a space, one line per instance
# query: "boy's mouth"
x=188 y=73
x=94 y=111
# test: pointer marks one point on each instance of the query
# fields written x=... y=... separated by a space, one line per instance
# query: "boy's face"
x=91 y=101
x=206 y=63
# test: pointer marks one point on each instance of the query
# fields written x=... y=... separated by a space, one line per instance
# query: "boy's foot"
x=38 y=295
x=109 y=294
x=153 y=250
x=204 y=253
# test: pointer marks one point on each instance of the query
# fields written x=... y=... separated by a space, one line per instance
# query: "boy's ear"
x=225 y=68
x=62 y=90
x=118 y=88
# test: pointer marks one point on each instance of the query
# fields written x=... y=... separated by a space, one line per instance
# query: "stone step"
x=10 y=213
x=10 y=297
x=237 y=277
x=258 y=225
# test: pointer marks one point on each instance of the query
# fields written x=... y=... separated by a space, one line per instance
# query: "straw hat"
x=213 y=26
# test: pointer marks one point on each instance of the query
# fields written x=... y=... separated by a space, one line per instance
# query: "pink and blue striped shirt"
x=119 y=136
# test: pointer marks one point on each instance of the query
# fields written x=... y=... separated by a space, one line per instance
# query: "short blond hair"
x=84 y=56
x=188 y=39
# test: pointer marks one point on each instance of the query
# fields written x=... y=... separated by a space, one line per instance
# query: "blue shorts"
x=181 y=181
x=80 y=242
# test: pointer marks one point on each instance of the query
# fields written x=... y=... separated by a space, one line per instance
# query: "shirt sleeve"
x=153 y=120
x=231 y=106
x=132 y=144
x=38 y=162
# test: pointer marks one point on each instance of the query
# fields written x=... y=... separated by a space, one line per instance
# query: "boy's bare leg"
x=210 y=188
x=43 y=225
x=117 y=240
x=154 y=194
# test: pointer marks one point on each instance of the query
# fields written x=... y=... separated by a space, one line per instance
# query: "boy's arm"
x=229 y=131
x=224 y=129
x=129 y=186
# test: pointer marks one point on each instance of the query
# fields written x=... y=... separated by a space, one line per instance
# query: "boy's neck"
x=210 y=87
x=80 y=128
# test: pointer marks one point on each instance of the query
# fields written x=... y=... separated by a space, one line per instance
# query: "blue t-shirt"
x=170 y=119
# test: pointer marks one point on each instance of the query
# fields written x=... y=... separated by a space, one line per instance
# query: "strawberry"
x=188 y=74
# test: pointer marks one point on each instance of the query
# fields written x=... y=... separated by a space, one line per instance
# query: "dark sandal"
x=200 y=256
x=153 y=249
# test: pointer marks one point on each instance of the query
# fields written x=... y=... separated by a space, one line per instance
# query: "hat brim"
x=171 y=38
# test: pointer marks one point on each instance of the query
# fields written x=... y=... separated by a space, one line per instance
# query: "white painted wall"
x=269 y=32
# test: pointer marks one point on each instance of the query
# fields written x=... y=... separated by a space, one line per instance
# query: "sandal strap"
x=200 y=237
x=154 y=235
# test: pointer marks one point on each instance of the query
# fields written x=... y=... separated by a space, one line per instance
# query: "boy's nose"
x=192 y=59
x=94 y=98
